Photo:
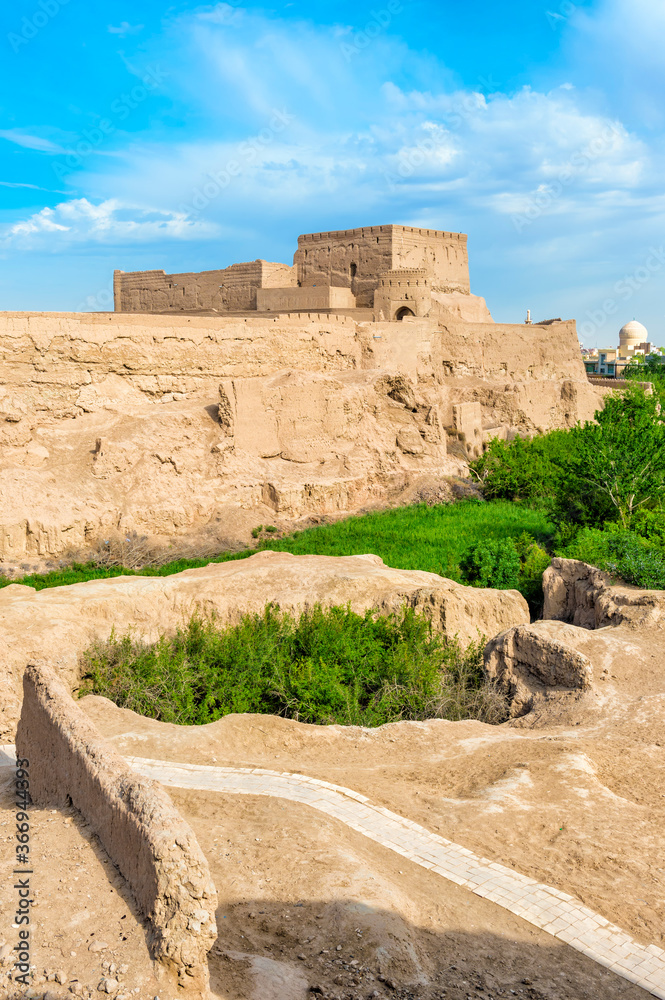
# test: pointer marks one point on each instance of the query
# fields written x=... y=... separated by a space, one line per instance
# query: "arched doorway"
x=404 y=311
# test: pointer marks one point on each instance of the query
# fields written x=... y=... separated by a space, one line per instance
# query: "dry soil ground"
x=309 y=907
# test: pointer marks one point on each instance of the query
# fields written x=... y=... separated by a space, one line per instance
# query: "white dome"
x=633 y=333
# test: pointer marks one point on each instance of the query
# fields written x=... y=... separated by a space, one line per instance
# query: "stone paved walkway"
x=551 y=910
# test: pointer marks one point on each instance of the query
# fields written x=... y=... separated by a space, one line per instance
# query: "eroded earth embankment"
x=192 y=427
x=568 y=793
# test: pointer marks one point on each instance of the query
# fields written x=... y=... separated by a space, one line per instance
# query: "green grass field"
x=418 y=537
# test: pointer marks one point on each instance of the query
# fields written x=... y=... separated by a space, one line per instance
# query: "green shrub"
x=508 y=564
x=609 y=469
x=650 y=524
x=616 y=465
x=492 y=563
x=624 y=554
x=650 y=370
x=525 y=469
x=328 y=666
x=534 y=560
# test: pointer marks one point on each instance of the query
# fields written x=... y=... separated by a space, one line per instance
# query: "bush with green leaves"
x=648 y=370
x=524 y=469
x=328 y=666
x=508 y=564
x=616 y=466
x=492 y=563
x=623 y=554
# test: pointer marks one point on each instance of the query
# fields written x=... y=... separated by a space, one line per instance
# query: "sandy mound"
x=308 y=906
x=57 y=624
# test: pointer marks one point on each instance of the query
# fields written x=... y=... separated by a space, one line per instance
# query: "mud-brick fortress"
x=266 y=390
x=390 y=272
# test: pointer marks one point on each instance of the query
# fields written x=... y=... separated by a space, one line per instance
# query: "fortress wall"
x=323 y=297
x=492 y=350
x=48 y=359
x=403 y=289
x=526 y=378
x=317 y=415
x=51 y=362
x=231 y=289
x=326 y=259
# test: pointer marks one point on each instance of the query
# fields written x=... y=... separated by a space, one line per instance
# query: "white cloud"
x=617 y=46
x=220 y=13
x=433 y=152
x=111 y=222
x=18 y=184
x=29 y=141
x=125 y=28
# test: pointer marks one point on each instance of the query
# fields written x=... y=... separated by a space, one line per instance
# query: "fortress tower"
x=356 y=258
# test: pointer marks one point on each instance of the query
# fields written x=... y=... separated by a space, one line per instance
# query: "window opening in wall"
x=353 y=270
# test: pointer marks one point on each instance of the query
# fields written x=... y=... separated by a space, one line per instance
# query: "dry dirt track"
x=555 y=805
x=297 y=883
x=555 y=912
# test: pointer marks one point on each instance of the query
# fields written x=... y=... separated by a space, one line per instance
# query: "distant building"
x=610 y=362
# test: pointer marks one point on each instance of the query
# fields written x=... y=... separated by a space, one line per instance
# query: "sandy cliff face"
x=166 y=425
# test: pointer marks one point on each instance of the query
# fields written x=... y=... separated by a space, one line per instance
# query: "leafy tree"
x=648 y=370
x=617 y=463
x=523 y=469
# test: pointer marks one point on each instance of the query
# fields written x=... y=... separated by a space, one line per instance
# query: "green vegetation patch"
x=601 y=483
x=328 y=666
x=436 y=539
x=624 y=554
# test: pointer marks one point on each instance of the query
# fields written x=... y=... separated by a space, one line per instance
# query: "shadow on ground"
x=290 y=950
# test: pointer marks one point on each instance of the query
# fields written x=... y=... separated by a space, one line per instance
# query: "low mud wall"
x=135 y=820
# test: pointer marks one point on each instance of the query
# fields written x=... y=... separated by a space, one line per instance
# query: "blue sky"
x=188 y=137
